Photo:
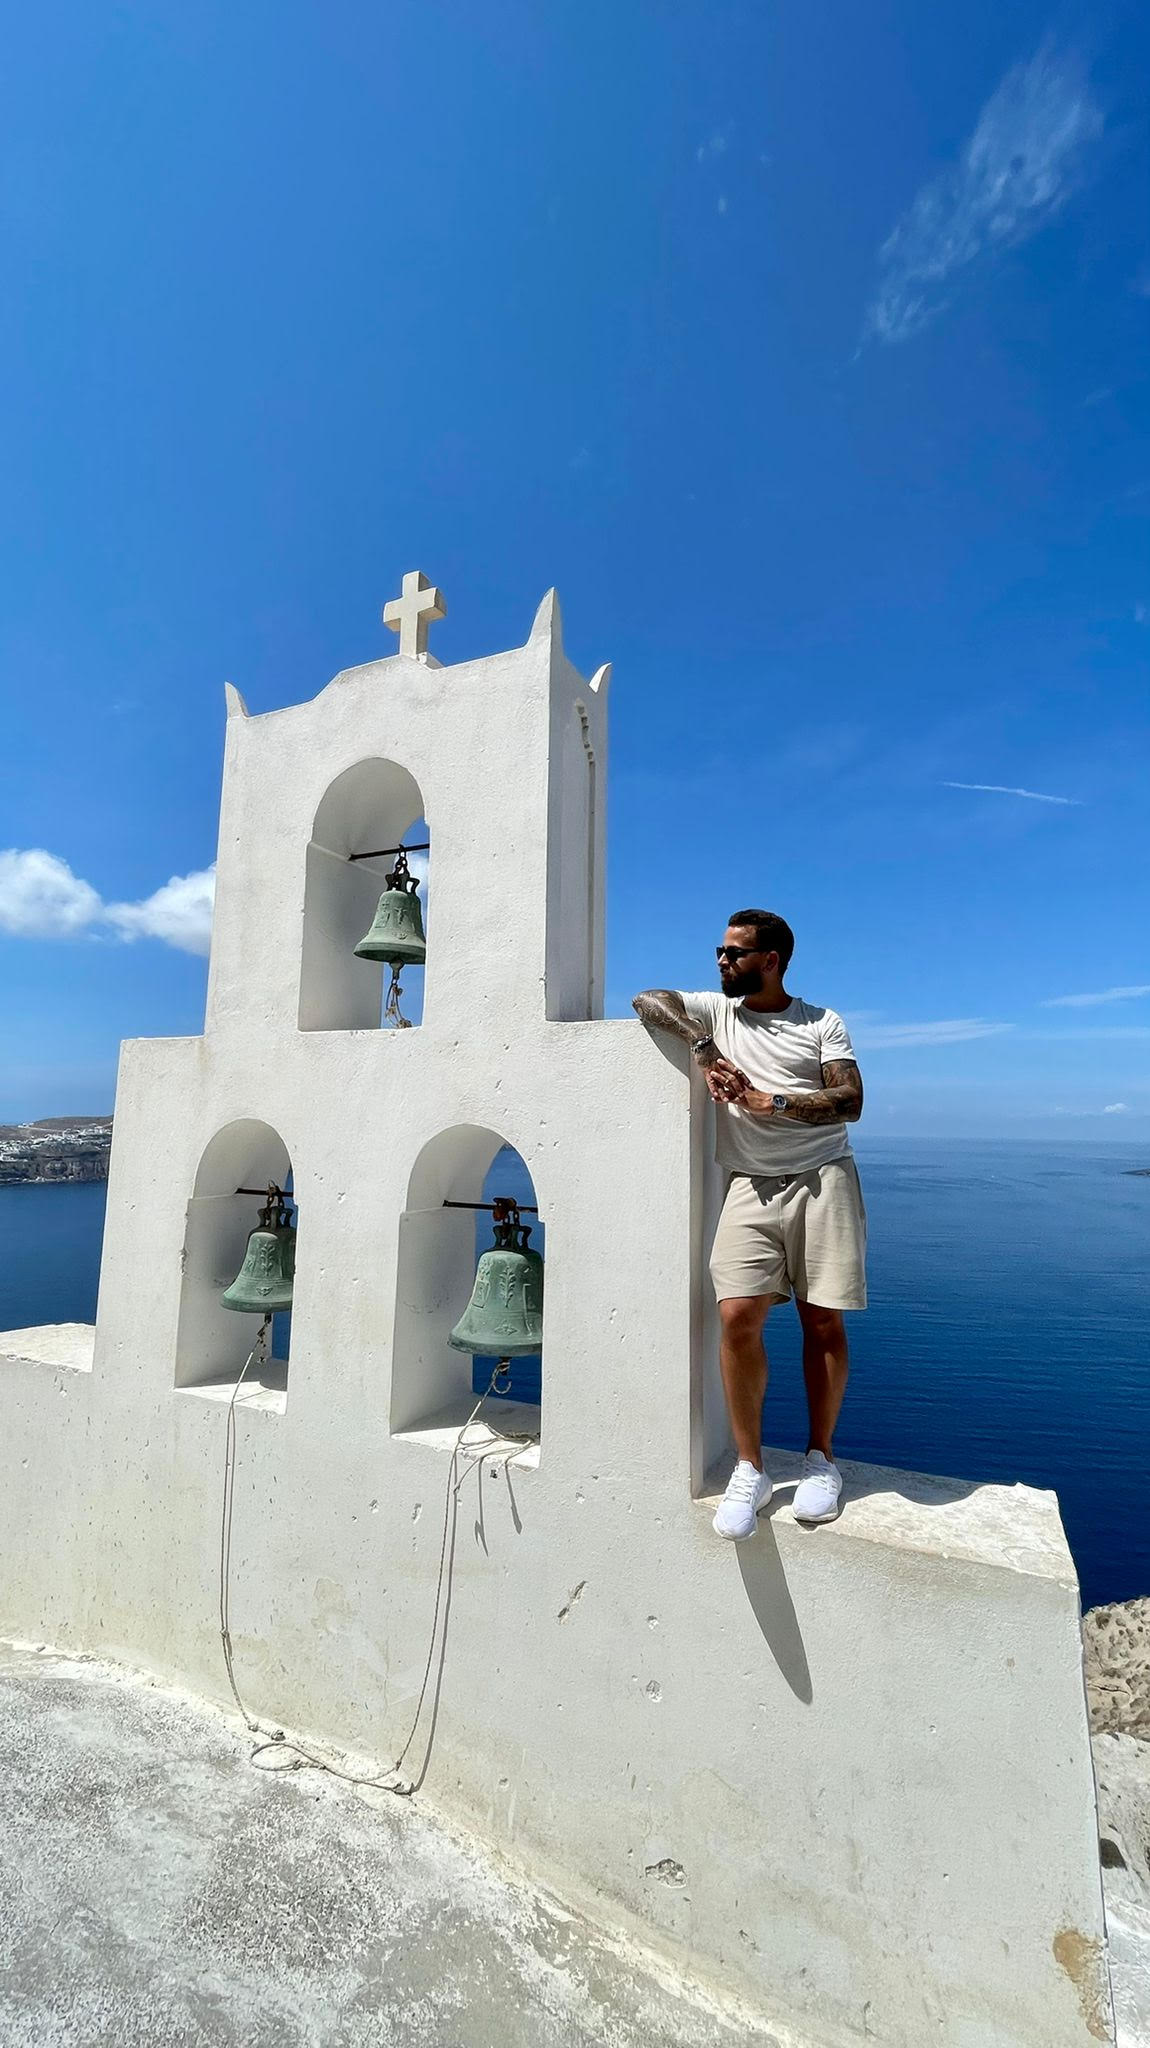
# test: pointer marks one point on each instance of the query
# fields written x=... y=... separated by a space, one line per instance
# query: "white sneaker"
x=748 y=1491
x=817 y=1493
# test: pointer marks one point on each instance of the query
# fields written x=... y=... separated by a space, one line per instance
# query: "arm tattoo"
x=663 y=1010
x=838 y=1101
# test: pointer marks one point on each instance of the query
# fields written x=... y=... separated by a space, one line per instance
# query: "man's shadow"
x=764 y=1577
x=765 y=1585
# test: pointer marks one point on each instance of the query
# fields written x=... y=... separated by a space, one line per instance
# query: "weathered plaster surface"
x=844 y=1772
x=156 y=1888
x=67 y=1346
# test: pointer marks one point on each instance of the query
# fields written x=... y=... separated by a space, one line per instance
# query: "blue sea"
x=1008 y=1336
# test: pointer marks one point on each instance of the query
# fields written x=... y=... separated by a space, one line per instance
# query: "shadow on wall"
x=761 y=1566
x=765 y=1585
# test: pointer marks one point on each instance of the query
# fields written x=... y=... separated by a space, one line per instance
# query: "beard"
x=747 y=982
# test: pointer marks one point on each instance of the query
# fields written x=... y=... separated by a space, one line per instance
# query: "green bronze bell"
x=504 y=1318
x=263 y=1284
x=396 y=933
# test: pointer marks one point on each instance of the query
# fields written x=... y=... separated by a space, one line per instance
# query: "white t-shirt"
x=783 y=1053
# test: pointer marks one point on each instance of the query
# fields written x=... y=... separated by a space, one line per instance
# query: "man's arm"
x=663 y=1009
x=838 y=1101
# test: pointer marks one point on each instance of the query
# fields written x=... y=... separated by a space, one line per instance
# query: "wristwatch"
x=780 y=1102
x=701 y=1044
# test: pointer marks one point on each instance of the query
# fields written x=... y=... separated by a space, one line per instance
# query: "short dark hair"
x=772 y=933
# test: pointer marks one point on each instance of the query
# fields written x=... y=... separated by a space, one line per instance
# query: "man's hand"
x=759 y=1104
x=726 y=1083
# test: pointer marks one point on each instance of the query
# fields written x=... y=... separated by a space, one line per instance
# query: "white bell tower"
x=842 y=1774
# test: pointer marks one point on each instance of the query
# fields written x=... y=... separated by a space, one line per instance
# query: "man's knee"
x=743 y=1315
x=821 y=1322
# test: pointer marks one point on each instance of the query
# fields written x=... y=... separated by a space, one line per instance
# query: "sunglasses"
x=735 y=952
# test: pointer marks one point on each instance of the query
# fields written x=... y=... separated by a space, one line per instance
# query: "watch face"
x=778 y=1101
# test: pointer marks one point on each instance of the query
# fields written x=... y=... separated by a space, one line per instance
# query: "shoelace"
x=741 y=1485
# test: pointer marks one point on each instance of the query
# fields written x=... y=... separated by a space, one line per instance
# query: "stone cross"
x=411 y=615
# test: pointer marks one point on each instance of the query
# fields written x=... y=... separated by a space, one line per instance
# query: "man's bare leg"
x=743 y=1363
x=825 y=1368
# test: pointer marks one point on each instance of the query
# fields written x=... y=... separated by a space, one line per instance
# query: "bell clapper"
x=391 y=1007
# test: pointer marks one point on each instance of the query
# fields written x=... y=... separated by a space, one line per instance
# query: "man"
x=785 y=1082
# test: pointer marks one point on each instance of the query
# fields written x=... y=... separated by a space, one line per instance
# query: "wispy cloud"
x=1097 y=1034
x=879 y=1037
x=1109 y=1109
x=1019 y=167
x=1105 y=995
x=40 y=898
x=1036 y=796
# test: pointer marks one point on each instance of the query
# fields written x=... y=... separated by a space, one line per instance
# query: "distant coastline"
x=57 y=1148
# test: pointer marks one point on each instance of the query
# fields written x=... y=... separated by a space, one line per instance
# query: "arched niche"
x=213 y=1342
x=372 y=804
x=434 y=1388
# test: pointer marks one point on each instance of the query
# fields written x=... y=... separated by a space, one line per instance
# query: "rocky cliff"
x=57 y=1148
x=1117 y=1646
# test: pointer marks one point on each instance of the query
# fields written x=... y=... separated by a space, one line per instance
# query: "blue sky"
x=804 y=349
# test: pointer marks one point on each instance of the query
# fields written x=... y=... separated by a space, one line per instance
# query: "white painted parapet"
x=843 y=1772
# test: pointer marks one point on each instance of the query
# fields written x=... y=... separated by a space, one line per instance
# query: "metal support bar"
x=528 y=1208
x=263 y=1191
x=423 y=847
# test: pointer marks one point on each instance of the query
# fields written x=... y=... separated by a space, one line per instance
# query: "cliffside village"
x=57 y=1148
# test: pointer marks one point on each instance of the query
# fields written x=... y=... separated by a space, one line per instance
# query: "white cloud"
x=1105 y=995
x=40 y=898
x=1003 y=789
x=1116 y=1109
x=1019 y=167
x=180 y=913
x=880 y=1037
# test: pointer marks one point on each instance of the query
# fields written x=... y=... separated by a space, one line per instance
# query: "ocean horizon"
x=1007 y=1340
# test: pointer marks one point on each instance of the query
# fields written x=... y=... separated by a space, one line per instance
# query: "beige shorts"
x=806 y=1232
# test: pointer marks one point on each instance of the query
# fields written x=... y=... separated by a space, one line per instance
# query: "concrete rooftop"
x=157 y=1887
